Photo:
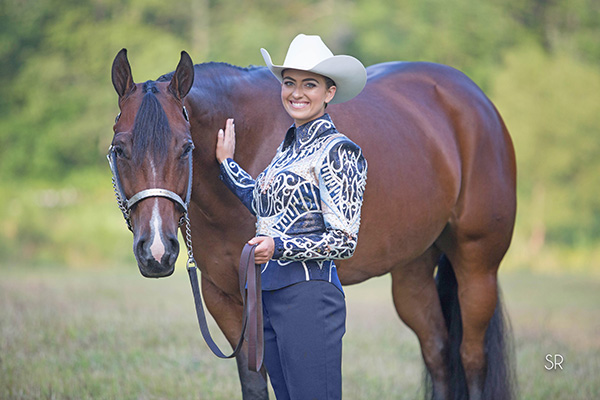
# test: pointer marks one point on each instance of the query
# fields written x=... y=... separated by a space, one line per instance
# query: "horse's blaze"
x=157 y=248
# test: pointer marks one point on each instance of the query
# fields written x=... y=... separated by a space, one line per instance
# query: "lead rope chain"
x=121 y=204
x=191 y=261
x=185 y=218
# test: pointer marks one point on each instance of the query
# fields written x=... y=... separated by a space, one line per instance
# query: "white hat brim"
x=347 y=72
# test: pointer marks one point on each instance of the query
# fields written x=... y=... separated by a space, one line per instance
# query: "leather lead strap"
x=252 y=326
x=255 y=315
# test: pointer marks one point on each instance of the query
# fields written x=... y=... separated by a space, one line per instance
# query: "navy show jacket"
x=308 y=200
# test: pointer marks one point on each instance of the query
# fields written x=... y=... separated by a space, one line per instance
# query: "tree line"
x=538 y=60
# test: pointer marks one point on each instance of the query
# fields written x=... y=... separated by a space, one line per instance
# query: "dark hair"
x=328 y=81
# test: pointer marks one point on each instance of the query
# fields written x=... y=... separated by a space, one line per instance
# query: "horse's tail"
x=500 y=380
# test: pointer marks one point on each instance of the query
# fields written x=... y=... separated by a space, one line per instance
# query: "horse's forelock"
x=151 y=127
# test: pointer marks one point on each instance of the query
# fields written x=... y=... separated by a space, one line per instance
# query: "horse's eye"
x=119 y=152
x=187 y=150
x=185 y=114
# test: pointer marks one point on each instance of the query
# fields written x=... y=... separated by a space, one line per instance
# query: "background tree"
x=539 y=60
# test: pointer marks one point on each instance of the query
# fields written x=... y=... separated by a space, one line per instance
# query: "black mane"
x=151 y=127
x=212 y=64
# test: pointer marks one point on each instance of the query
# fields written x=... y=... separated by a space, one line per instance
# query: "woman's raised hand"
x=226 y=141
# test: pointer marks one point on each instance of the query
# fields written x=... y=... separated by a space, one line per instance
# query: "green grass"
x=112 y=334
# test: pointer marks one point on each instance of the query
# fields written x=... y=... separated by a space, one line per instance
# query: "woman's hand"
x=226 y=141
x=264 y=250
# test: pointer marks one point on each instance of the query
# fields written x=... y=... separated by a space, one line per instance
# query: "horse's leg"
x=227 y=312
x=254 y=385
x=475 y=264
x=418 y=305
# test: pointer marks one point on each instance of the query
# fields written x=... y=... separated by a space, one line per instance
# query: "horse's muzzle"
x=148 y=257
x=155 y=270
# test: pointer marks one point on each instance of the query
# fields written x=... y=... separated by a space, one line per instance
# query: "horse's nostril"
x=173 y=244
x=139 y=249
x=138 y=245
x=173 y=248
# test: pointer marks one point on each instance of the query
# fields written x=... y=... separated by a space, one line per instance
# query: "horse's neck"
x=249 y=96
x=259 y=119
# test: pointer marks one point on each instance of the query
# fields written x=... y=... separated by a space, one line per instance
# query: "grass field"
x=112 y=334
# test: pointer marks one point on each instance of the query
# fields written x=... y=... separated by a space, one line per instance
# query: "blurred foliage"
x=73 y=223
x=537 y=59
x=558 y=118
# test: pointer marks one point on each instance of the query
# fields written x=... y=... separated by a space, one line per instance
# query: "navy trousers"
x=304 y=324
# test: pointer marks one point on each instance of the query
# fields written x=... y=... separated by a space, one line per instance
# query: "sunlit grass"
x=111 y=334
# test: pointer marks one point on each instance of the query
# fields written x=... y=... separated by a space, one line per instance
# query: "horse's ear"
x=121 y=73
x=183 y=78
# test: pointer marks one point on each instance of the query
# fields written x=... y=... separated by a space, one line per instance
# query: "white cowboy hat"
x=309 y=53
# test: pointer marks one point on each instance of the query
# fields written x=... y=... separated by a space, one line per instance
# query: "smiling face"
x=304 y=95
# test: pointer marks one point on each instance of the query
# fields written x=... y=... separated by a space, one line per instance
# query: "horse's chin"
x=154 y=269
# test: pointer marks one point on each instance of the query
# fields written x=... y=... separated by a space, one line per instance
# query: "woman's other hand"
x=226 y=141
x=264 y=251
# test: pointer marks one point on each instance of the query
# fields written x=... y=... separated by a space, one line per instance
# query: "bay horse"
x=438 y=214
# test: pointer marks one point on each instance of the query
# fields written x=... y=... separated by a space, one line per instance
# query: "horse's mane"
x=151 y=127
x=209 y=66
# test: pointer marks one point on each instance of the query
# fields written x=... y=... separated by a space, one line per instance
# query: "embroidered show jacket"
x=308 y=200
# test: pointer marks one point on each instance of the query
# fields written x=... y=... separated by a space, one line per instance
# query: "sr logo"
x=554 y=361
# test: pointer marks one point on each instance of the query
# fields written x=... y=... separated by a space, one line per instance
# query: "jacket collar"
x=307 y=133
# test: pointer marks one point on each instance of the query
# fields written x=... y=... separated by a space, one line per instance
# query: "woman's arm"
x=234 y=177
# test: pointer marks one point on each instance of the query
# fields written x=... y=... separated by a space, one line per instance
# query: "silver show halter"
x=125 y=204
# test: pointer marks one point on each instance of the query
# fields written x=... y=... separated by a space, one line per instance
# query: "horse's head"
x=150 y=157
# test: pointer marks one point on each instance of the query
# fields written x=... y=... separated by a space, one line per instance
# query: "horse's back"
x=433 y=140
x=438 y=106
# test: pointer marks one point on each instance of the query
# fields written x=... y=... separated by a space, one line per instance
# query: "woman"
x=307 y=203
